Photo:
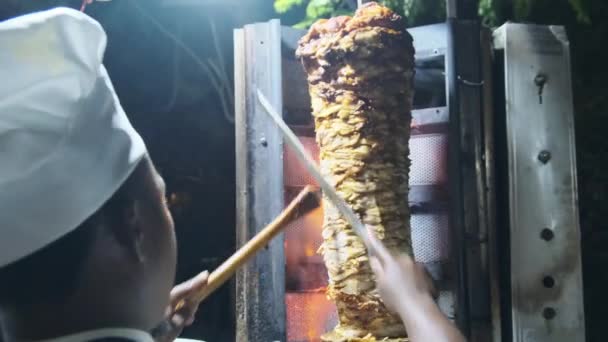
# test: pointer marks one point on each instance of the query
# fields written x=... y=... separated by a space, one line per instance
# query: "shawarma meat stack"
x=360 y=74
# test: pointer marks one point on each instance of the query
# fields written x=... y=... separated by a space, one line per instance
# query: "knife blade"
x=311 y=166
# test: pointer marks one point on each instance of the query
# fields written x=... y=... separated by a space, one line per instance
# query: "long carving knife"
x=329 y=191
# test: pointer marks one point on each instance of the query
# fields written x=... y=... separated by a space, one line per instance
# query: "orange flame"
x=309 y=250
x=308 y=310
x=315 y=218
x=308 y=315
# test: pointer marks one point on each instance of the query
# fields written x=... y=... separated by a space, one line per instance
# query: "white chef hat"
x=66 y=144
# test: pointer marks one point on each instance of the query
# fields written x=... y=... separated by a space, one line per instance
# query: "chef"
x=87 y=245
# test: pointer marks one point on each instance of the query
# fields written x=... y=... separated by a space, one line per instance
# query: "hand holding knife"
x=186 y=297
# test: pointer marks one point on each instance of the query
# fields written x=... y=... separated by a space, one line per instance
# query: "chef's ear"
x=131 y=234
x=124 y=217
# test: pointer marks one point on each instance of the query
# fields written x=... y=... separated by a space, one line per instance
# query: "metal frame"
x=546 y=276
x=467 y=171
x=540 y=165
x=488 y=120
x=462 y=9
x=471 y=219
x=258 y=171
x=259 y=153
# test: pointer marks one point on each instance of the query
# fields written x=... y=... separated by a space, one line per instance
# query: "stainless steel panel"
x=260 y=285
x=545 y=238
x=430 y=116
x=429 y=40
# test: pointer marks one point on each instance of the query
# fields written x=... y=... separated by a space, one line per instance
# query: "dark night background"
x=173 y=104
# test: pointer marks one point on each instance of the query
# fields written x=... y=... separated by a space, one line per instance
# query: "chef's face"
x=135 y=267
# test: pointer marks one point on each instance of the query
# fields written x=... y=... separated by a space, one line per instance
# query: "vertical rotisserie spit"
x=360 y=75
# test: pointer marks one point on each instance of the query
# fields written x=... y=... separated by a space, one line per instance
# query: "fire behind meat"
x=360 y=74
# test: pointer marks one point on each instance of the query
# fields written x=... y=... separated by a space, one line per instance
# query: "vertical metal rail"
x=546 y=299
x=455 y=167
x=468 y=205
x=260 y=285
x=475 y=206
x=451 y=8
x=462 y=9
x=490 y=183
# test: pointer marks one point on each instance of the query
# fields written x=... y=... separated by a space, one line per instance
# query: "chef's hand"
x=399 y=279
x=407 y=289
x=179 y=319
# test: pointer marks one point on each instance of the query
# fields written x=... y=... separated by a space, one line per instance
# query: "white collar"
x=130 y=334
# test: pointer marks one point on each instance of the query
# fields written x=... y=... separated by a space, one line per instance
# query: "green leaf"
x=306 y=23
x=522 y=8
x=399 y=6
x=342 y=12
x=581 y=11
x=487 y=12
x=282 y=6
x=320 y=8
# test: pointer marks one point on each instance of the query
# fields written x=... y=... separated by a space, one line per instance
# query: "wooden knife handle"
x=227 y=269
